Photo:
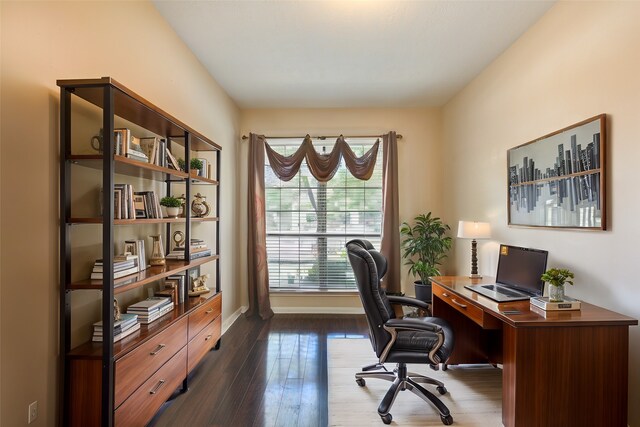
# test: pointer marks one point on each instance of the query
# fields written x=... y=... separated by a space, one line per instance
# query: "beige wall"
x=42 y=42
x=418 y=166
x=581 y=59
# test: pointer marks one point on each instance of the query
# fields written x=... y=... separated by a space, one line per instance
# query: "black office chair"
x=427 y=340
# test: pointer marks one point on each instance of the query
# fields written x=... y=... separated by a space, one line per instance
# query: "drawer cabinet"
x=469 y=310
x=140 y=407
x=135 y=367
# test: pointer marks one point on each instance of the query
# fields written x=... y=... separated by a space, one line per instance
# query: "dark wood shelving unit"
x=92 y=392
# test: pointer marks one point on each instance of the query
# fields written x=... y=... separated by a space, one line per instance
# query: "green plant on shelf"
x=195 y=164
x=181 y=164
x=170 y=202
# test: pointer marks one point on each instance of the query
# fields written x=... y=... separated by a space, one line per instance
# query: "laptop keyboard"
x=503 y=291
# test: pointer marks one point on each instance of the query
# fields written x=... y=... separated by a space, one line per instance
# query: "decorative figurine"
x=199 y=207
x=178 y=239
x=116 y=311
x=199 y=285
x=183 y=202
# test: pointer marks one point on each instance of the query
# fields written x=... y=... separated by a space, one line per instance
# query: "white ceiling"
x=347 y=53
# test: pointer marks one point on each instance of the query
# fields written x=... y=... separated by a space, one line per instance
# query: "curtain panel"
x=258 y=275
x=390 y=244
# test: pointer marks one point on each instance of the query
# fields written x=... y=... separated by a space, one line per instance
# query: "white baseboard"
x=230 y=320
x=318 y=310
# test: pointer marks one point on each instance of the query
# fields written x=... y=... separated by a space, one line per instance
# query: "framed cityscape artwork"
x=558 y=180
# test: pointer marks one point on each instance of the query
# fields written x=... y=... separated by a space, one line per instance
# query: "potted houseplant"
x=424 y=246
x=556 y=278
x=195 y=166
x=173 y=206
x=181 y=164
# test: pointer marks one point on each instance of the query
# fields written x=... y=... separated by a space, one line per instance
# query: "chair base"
x=402 y=380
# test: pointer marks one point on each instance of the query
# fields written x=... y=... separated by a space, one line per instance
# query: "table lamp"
x=474 y=230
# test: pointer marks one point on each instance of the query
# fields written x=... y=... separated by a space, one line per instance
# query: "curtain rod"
x=323 y=137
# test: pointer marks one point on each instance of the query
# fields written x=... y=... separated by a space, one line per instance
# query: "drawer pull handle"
x=158 y=349
x=208 y=337
x=209 y=311
x=157 y=387
x=453 y=300
x=446 y=295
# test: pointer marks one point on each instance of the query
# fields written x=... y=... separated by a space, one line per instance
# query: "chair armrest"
x=411 y=302
x=413 y=325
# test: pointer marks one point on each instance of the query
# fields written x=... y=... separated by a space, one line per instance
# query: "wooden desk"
x=562 y=368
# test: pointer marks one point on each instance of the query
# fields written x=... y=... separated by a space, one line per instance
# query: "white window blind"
x=309 y=223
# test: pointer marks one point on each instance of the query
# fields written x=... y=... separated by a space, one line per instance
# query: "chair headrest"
x=378 y=258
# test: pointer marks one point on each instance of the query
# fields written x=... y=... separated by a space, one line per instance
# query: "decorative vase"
x=173 y=212
x=556 y=293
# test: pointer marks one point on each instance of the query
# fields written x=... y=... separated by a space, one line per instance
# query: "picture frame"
x=558 y=180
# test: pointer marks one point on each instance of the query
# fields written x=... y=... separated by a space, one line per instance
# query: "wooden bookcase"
x=125 y=383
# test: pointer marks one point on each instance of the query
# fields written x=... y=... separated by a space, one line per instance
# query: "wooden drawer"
x=203 y=342
x=137 y=366
x=204 y=314
x=462 y=305
x=140 y=407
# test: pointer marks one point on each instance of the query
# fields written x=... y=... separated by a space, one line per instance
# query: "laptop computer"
x=518 y=276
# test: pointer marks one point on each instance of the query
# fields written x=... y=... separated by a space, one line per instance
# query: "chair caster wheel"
x=448 y=420
x=361 y=382
x=441 y=389
x=386 y=418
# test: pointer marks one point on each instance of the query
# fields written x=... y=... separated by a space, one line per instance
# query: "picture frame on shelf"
x=558 y=180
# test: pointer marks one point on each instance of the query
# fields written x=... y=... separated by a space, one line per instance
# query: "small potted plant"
x=181 y=164
x=173 y=206
x=424 y=247
x=195 y=165
x=556 y=278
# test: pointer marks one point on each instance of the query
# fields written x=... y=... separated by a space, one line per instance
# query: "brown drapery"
x=323 y=166
x=390 y=245
x=258 y=276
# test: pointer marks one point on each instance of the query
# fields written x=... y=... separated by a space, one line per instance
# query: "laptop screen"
x=521 y=268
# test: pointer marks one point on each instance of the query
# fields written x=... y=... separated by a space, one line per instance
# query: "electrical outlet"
x=33 y=411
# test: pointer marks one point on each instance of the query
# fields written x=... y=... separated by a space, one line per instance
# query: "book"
x=97 y=275
x=125 y=320
x=121 y=335
x=149 y=146
x=146 y=319
x=172 y=161
x=149 y=304
x=544 y=303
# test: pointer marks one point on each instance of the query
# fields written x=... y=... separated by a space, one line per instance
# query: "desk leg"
x=565 y=376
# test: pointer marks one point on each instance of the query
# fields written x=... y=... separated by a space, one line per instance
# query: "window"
x=309 y=223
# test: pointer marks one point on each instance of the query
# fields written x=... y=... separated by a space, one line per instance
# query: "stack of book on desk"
x=123 y=265
x=127 y=325
x=198 y=249
x=151 y=309
x=567 y=304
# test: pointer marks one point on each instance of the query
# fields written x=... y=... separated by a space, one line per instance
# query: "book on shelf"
x=126 y=321
x=118 y=266
x=149 y=146
x=180 y=278
x=172 y=162
x=97 y=275
x=152 y=317
x=121 y=335
x=148 y=305
x=567 y=304
x=136 y=248
x=148 y=205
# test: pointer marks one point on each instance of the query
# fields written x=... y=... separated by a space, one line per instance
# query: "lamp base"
x=475 y=276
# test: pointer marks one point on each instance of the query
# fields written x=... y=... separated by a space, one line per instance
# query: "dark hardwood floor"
x=266 y=373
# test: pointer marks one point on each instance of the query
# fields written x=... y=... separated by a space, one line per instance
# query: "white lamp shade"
x=474 y=230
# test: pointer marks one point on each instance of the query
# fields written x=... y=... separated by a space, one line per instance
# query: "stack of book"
x=127 y=325
x=123 y=265
x=151 y=309
x=198 y=249
x=129 y=146
x=123 y=207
